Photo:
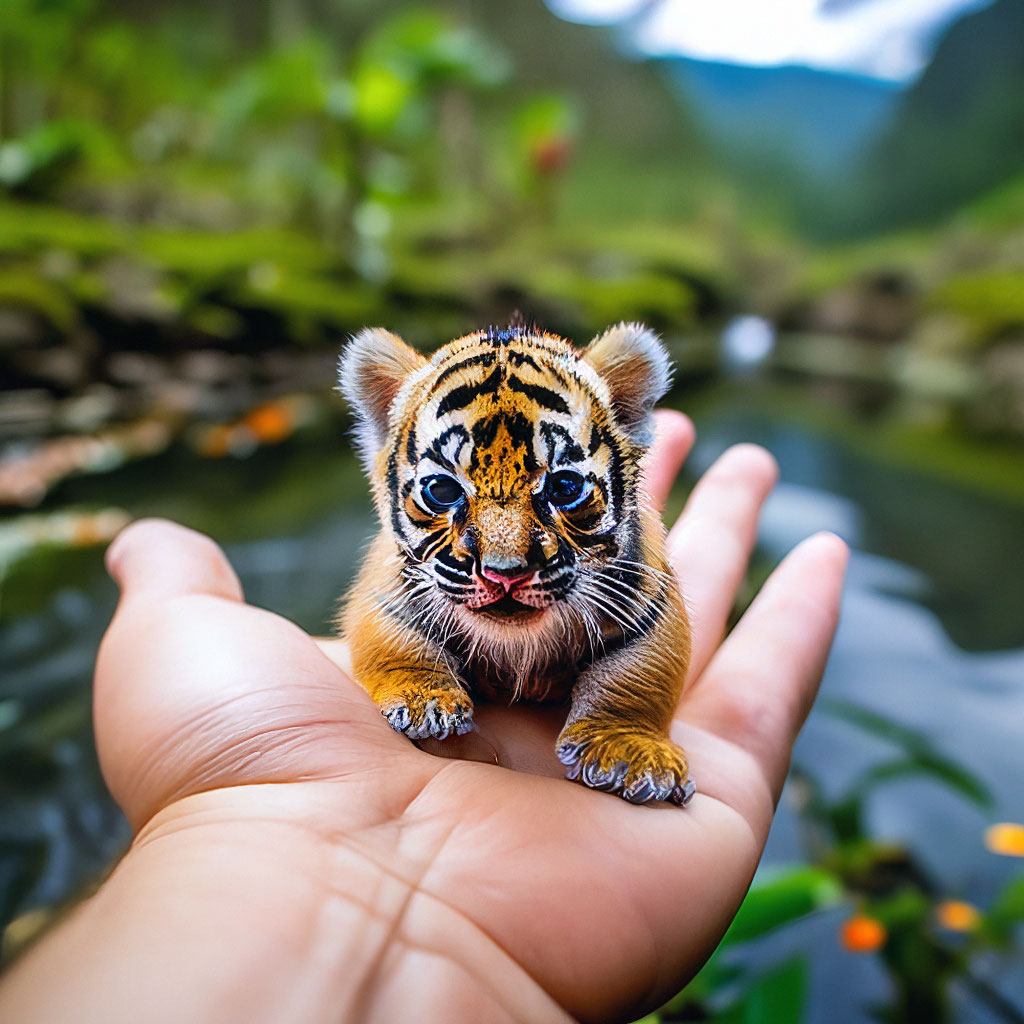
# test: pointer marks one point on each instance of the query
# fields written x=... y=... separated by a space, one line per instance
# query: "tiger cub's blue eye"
x=564 y=488
x=441 y=493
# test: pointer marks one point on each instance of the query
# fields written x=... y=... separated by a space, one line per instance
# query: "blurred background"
x=818 y=203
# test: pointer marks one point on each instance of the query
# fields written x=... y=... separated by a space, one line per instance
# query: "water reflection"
x=747 y=341
x=898 y=652
x=966 y=544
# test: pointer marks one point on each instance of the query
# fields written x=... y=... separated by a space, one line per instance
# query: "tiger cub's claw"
x=639 y=768
x=436 y=714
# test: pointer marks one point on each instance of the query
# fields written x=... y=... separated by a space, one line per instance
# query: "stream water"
x=932 y=635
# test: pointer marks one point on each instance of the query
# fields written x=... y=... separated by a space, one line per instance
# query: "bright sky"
x=888 y=39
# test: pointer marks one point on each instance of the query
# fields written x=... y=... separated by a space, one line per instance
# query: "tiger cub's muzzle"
x=510 y=556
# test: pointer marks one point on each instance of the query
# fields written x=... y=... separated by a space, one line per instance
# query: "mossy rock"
x=907 y=252
x=26 y=227
x=302 y=299
x=993 y=300
x=208 y=255
x=599 y=301
x=25 y=288
x=451 y=276
x=669 y=249
x=999 y=208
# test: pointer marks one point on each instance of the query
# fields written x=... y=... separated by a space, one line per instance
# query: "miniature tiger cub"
x=517 y=557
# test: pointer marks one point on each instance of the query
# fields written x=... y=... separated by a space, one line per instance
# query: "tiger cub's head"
x=506 y=467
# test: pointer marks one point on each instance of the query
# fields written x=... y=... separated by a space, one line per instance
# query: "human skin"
x=296 y=860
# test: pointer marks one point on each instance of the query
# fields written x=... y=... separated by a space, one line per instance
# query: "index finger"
x=673 y=440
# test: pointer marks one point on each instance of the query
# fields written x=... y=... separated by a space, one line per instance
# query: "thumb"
x=155 y=559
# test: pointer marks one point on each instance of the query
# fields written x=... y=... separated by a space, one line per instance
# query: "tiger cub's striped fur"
x=516 y=557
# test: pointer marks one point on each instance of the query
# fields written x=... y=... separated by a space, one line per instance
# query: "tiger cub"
x=517 y=558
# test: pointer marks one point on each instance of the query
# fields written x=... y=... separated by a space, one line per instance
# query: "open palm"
x=475 y=885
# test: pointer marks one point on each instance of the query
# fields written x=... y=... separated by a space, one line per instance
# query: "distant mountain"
x=845 y=155
x=798 y=119
x=626 y=101
x=959 y=130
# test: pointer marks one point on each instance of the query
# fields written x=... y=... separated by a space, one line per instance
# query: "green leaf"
x=938 y=768
x=846 y=817
x=1005 y=913
x=783 y=899
x=907 y=910
x=774 y=998
x=544 y=117
x=922 y=757
x=910 y=740
x=381 y=95
x=433 y=49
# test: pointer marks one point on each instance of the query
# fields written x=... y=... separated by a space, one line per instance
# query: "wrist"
x=230 y=917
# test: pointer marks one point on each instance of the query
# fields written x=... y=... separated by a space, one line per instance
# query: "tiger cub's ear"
x=634 y=364
x=373 y=367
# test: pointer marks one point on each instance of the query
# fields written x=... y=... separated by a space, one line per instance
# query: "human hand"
x=304 y=862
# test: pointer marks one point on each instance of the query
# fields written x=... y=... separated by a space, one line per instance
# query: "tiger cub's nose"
x=508 y=576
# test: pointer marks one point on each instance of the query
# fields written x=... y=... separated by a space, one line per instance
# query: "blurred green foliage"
x=726 y=993
x=290 y=172
x=992 y=298
x=898 y=910
x=246 y=176
x=318 y=176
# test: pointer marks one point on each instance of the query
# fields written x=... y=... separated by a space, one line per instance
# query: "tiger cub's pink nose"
x=507 y=578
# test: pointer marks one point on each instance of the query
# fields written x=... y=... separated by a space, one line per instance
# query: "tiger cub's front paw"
x=436 y=710
x=640 y=767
